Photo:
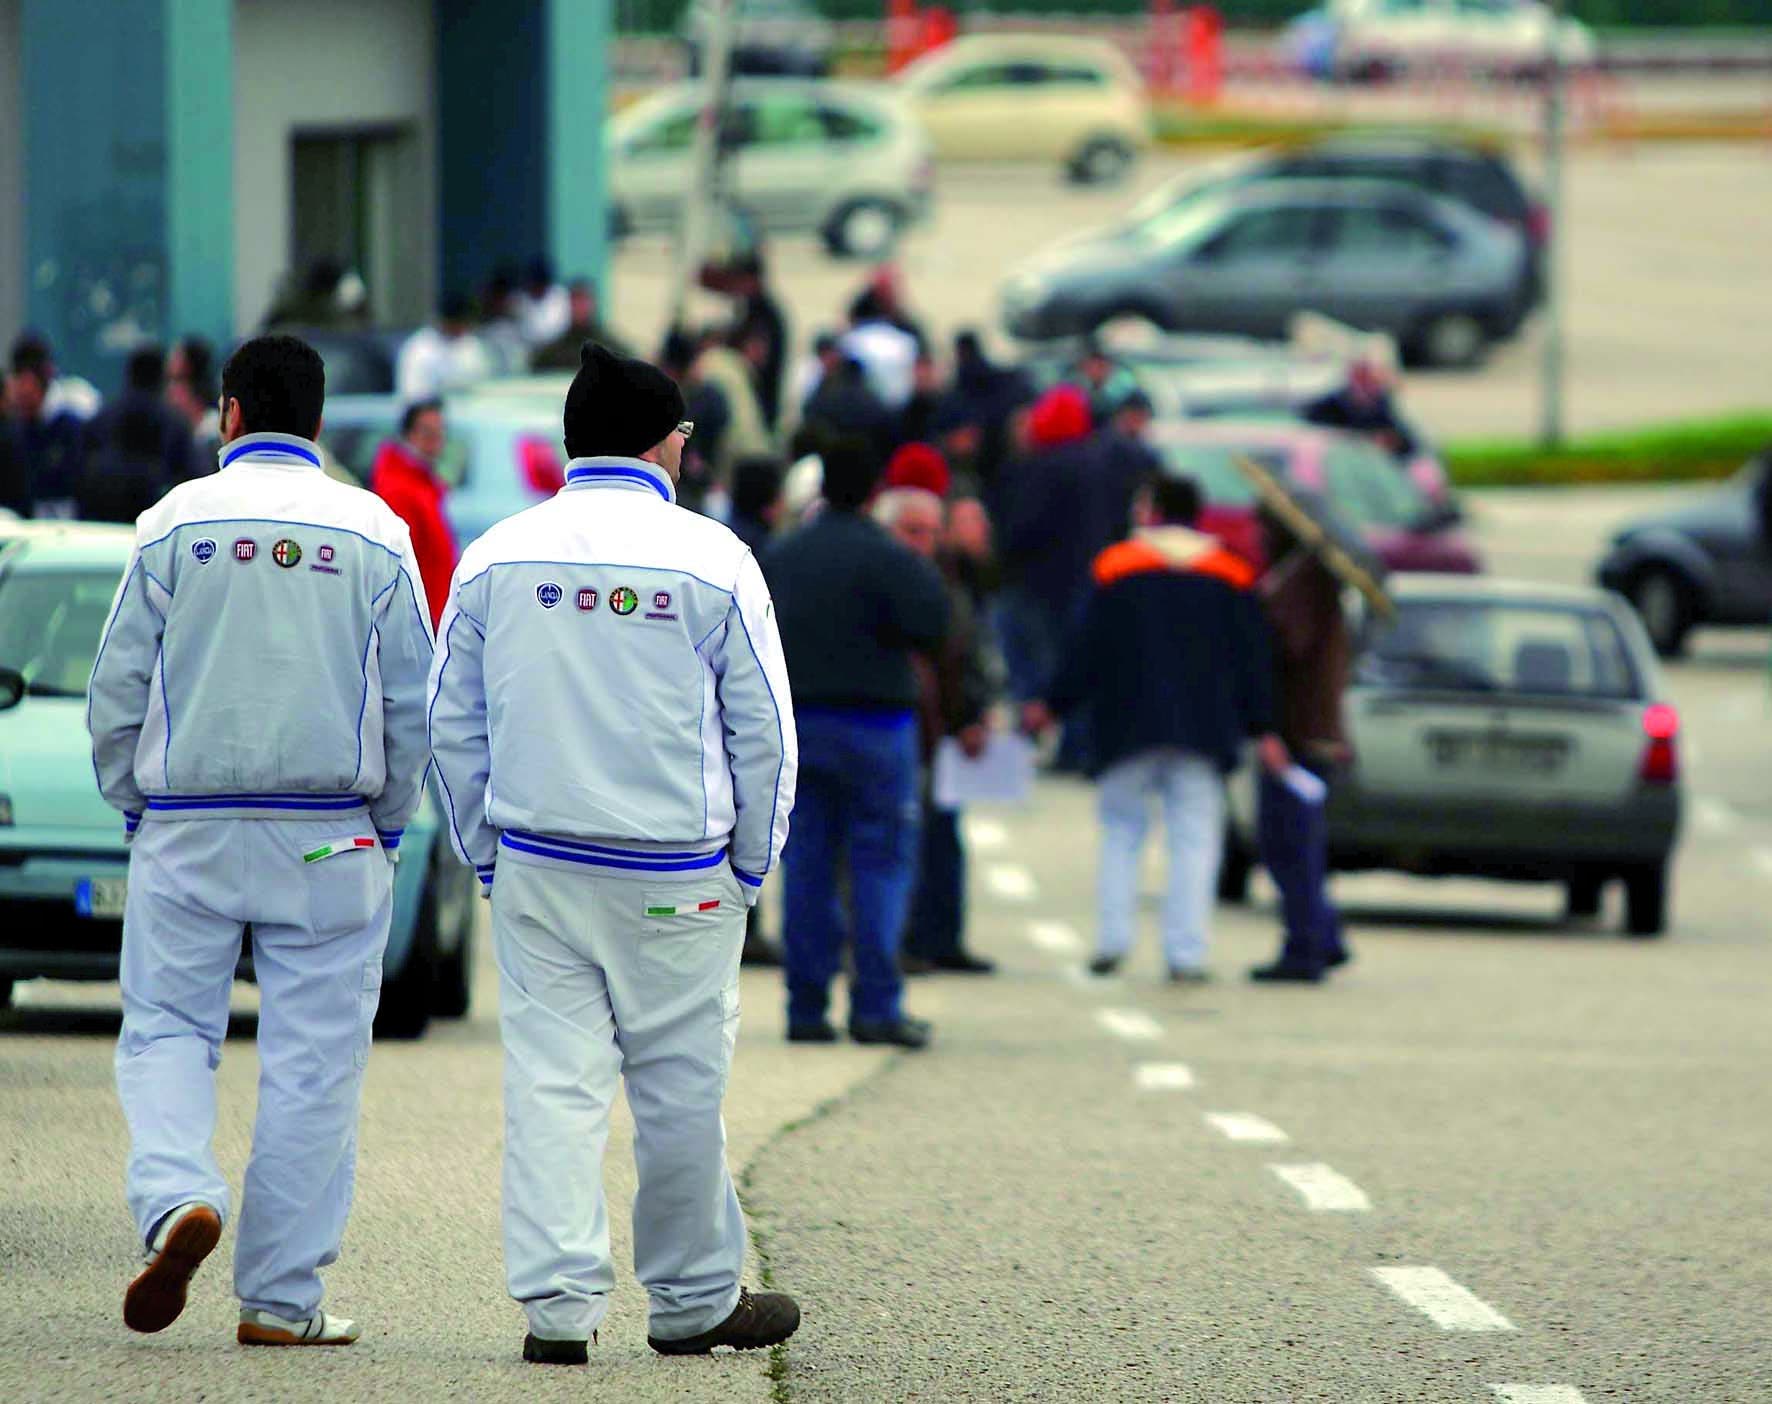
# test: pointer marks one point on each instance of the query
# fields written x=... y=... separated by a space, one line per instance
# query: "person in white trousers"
x=257 y=713
x=1173 y=661
x=611 y=724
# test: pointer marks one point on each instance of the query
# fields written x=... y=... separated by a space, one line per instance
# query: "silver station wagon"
x=1504 y=729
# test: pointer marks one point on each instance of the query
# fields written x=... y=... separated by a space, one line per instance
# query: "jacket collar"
x=271 y=451
x=627 y=474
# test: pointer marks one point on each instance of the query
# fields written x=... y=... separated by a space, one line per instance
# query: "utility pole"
x=1550 y=424
x=703 y=202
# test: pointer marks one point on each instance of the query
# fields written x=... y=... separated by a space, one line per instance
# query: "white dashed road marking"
x=1714 y=816
x=986 y=835
x=1246 y=1126
x=1055 y=936
x=1011 y=882
x=1324 y=1190
x=1163 y=1077
x=1440 y=1299
x=1128 y=1023
x=1537 y=1394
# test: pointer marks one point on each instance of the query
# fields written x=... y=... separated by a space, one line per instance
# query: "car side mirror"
x=12 y=688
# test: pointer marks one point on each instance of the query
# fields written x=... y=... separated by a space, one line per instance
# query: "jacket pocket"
x=345 y=883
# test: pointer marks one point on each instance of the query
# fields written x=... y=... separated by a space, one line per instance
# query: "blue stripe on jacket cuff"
x=390 y=838
x=748 y=879
x=131 y=820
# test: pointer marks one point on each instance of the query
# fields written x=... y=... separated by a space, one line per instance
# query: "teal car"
x=64 y=869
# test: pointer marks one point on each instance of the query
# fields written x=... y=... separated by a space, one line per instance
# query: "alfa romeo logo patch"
x=286 y=553
x=623 y=600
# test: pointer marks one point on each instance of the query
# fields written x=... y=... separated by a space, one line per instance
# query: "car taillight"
x=1538 y=224
x=1661 y=761
x=539 y=465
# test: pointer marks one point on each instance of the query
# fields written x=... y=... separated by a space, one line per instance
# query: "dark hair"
x=454 y=307
x=199 y=366
x=1135 y=400
x=851 y=471
x=756 y=482
x=868 y=306
x=30 y=352
x=1176 y=499
x=146 y=369
x=539 y=272
x=410 y=416
x=280 y=382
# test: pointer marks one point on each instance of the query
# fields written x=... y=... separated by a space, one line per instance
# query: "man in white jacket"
x=611 y=722
x=257 y=713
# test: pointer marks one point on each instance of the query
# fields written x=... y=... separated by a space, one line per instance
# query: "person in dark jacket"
x=1127 y=463
x=853 y=606
x=49 y=439
x=845 y=406
x=756 y=500
x=1365 y=407
x=760 y=331
x=136 y=447
x=1173 y=660
x=562 y=353
x=1313 y=656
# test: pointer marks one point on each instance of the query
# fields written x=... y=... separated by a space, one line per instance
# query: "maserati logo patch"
x=623 y=600
x=204 y=550
x=287 y=553
x=548 y=594
x=326 y=554
x=662 y=600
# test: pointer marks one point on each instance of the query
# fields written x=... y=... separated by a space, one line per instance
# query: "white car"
x=1032 y=97
x=1374 y=38
x=844 y=160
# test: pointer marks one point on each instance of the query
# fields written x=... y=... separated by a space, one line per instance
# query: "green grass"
x=1682 y=451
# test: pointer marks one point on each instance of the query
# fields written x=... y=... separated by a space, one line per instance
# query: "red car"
x=1404 y=509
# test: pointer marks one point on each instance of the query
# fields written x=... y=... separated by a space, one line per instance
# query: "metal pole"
x=1550 y=426
x=701 y=202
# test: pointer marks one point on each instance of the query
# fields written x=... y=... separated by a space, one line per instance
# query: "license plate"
x=1502 y=751
x=101 y=897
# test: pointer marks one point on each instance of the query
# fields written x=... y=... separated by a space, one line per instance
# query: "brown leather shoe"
x=766 y=1319
x=157 y=1296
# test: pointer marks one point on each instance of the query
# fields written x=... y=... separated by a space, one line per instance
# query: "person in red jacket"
x=405 y=477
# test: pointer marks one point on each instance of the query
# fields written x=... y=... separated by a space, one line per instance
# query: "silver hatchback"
x=1506 y=730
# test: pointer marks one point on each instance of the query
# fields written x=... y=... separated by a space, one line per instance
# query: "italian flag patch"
x=338 y=845
x=685 y=909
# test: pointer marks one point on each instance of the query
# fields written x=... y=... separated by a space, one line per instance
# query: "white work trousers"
x=318 y=933
x=1191 y=791
x=593 y=990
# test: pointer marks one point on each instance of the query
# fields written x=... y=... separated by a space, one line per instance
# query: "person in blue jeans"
x=852 y=605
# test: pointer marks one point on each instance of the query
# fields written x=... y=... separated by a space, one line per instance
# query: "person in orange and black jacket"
x=1174 y=662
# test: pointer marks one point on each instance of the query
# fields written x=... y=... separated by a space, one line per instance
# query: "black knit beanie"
x=618 y=407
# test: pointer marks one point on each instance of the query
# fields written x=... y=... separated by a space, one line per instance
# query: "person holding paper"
x=1313 y=655
x=1173 y=662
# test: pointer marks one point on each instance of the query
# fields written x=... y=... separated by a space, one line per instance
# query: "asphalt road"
x=1667 y=282
x=1571 y=1126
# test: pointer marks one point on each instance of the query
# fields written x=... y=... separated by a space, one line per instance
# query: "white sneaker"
x=183 y=1240
x=263 y=1328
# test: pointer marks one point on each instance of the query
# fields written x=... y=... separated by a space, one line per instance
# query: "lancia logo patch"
x=623 y=600
x=204 y=550
x=287 y=553
x=245 y=549
x=548 y=594
x=587 y=599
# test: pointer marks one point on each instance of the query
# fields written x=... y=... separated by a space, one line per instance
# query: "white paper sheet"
x=1004 y=774
x=1304 y=784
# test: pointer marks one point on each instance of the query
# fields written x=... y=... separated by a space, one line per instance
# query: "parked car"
x=846 y=161
x=1408 y=526
x=1032 y=97
x=1707 y=563
x=1504 y=729
x=1474 y=173
x=64 y=868
x=1363 y=40
x=503 y=451
x=1442 y=279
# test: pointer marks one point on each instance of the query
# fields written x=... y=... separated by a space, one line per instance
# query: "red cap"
x=1058 y=416
x=919 y=466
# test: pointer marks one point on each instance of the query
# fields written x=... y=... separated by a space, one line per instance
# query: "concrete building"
x=165 y=165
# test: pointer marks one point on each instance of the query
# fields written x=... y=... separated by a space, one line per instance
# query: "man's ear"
x=319 y=424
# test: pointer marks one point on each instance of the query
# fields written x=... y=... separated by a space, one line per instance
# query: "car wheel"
x=864 y=229
x=1102 y=161
x=1452 y=339
x=1645 y=899
x=407 y=999
x=455 y=918
x=1583 y=896
x=6 y=993
x=1234 y=870
x=1664 y=604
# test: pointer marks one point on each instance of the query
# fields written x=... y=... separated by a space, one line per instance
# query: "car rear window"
x=1500 y=647
x=50 y=624
x=1370 y=487
x=1482 y=183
